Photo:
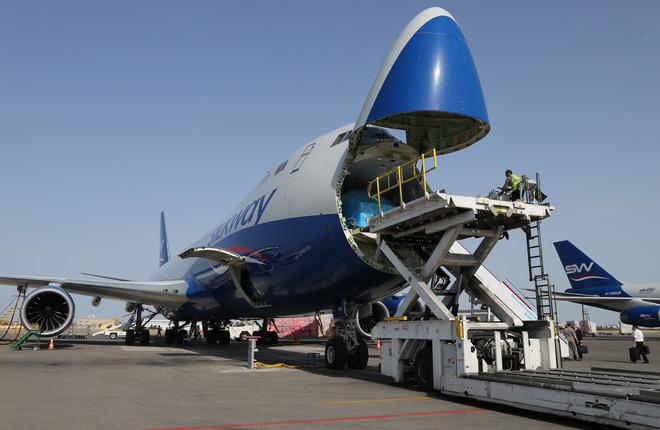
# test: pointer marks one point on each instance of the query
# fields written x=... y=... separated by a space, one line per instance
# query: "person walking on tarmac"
x=512 y=183
x=638 y=342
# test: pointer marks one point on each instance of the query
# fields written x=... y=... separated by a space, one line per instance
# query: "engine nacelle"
x=49 y=309
x=644 y=316
x=368 y=316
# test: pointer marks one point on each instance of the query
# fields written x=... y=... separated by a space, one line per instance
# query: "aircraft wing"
x=160 y=293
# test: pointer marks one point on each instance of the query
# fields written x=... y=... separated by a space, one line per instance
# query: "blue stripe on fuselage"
x=298 y=265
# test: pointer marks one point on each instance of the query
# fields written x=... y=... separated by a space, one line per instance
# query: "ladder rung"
x=534 y=246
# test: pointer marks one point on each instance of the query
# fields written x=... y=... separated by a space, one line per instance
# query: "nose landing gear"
x=346 y=347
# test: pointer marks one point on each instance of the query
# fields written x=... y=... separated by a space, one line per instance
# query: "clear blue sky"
x=112 y=111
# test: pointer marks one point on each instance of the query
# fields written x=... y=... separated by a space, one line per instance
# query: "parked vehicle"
x=239 y=329
x=112 y=333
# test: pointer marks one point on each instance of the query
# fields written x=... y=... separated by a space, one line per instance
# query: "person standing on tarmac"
x=512 y=183
x=571 y=338
x=579 y=336
x=638 y=342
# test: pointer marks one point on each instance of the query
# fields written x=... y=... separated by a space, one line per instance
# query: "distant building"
x=93 y=323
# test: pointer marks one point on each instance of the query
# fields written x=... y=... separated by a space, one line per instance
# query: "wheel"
x=224 y=337
x=211 y=337
x=130 y=337
x=423 y=370
x=360 y=356
x=243 y=336
x=273 y=338
x=180 y=336
x=169 y=336
x=144 y=337
x=113 y=335
x=335 y=353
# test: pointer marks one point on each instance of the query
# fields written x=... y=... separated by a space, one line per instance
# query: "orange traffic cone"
x=51 y=346
x=378 y=344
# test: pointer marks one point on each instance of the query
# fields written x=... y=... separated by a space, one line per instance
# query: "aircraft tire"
x=180 y=336
x=169 y=336
x=423 y=369
x=360 y=356
x=223 y=337
x=144 y=337
x=211 y=337
x=335 y=353
x=130 y=337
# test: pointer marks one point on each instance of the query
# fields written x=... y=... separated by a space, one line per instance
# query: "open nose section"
x=429 y=87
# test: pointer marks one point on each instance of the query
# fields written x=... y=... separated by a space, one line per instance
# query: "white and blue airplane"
x=294 y=245
x=638 y=304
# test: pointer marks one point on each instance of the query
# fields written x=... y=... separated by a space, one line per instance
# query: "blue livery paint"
x=584 y=273
x=296 y=265
x=164 y=254
x=251 y=214
x=645 y=316
x=392 y=303
x=434 y=72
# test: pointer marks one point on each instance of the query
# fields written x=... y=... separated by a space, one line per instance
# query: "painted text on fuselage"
x=251 y=214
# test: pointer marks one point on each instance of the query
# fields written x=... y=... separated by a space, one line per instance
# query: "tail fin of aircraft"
x=164 y=255
x=582 y=271
x=428 y=86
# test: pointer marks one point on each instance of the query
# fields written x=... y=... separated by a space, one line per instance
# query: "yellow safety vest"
x=515 y=181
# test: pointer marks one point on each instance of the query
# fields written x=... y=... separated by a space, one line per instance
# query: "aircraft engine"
x=368 y=316
x=49 y=309
x=644 y=316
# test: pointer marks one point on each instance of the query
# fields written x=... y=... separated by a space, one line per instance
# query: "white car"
x=112 y=333
x=240 y=329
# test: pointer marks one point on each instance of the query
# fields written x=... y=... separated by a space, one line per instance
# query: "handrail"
x=401 y=179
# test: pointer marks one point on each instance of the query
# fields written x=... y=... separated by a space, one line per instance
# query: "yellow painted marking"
x=389 y=399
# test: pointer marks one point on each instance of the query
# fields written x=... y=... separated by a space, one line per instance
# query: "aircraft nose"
x=429 y=82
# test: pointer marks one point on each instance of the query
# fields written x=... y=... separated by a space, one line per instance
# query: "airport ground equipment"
x=509 y=359
x=545 y=304
x=17 y=344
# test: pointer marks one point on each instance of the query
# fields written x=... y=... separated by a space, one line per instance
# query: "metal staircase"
x=18 y=343
x=545 y=305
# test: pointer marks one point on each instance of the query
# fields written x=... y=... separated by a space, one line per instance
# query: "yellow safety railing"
x=400 y=175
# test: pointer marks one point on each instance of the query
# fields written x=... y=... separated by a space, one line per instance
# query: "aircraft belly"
x=297 y=265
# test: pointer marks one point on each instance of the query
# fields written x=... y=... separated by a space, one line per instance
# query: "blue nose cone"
x=429 y=87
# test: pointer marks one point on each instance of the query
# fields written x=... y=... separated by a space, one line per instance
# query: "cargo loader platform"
x=511 y=358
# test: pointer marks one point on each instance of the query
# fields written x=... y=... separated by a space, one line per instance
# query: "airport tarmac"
x=104 y=384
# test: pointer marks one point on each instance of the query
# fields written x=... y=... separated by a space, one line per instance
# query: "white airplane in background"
x=638 y=304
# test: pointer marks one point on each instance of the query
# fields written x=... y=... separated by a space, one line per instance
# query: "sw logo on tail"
x=592 y=285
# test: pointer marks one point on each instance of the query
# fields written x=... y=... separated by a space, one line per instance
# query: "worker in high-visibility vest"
x=512 y=183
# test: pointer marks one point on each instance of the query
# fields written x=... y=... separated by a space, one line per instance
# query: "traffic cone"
x=378 y=344
x=51 y=346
